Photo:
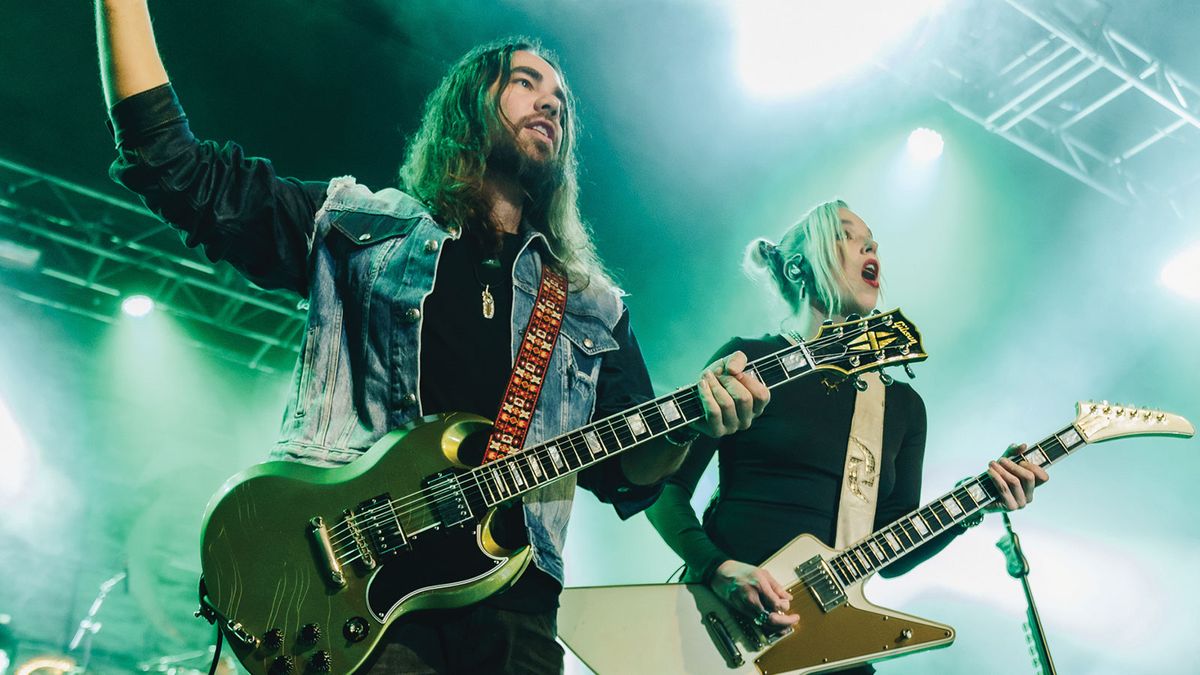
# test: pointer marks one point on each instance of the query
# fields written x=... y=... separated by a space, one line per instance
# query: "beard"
x=538 y=177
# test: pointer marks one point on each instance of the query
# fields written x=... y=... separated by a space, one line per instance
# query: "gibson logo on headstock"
x=902 y=326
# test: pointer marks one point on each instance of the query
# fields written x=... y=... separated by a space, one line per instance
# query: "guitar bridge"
x=818 y=579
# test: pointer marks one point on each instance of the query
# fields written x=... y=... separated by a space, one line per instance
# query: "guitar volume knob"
x=273 y=639
x=321 y=662
x=282 y=665
x=310 y=633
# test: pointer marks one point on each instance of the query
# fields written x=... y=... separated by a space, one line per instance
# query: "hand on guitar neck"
x=1014 y=481
x=755 y=592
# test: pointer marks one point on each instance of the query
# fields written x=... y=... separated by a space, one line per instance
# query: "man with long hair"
x=418 y=298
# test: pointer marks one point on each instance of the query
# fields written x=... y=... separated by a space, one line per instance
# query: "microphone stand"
x=89 y=626
x=1018 y=568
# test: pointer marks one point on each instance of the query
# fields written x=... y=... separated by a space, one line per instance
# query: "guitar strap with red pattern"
x=529 y=368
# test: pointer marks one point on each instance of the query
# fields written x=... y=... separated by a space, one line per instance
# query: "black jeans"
x=477 y=639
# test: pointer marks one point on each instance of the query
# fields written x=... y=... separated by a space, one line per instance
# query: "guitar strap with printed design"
x=529 y=368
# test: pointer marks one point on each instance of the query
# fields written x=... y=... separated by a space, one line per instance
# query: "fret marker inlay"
x=919 y=523
x=977 y=493
x=670 y=411
x=593 y=443
x=1070 y=438
x=794 y=361
x=636 y=425
x=952 y=507
x=555 y=456
x=892 y=541
x=876 y=550
x=1036 y=457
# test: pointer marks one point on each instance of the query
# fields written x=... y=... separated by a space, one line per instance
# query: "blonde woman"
x=784 y=476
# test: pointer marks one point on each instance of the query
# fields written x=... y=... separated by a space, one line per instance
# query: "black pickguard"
x=436 y=559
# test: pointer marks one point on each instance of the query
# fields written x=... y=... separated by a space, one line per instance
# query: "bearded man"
x=418 y=298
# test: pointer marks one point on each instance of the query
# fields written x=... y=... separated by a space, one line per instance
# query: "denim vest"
x=372 y=264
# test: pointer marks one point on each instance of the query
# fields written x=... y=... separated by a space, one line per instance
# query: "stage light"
x=786 y=47
x=14 y=456
x=1182 y=273
x=18 y=256
x=137 y=305
x=925 y=145
x=46 y=665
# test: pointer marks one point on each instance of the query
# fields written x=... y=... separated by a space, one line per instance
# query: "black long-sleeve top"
x=783 y=476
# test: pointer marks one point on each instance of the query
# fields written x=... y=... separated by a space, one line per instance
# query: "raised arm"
x=129 y=60
x=232 y=204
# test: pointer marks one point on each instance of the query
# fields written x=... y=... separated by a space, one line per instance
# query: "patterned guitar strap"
x=864 y=452
x=529 y=369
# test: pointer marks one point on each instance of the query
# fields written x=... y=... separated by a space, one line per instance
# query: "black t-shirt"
x=466 y=361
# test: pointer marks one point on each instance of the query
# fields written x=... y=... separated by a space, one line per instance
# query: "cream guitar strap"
x=864 y=452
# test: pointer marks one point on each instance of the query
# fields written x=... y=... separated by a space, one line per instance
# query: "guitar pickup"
x=377 y=527
x=724 y=641
x=820 y=583
x=450 y=505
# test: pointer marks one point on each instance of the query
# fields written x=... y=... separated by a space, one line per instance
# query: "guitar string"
x=420 y=501
x=540 y=453
x=410 y=503
x=373 y=517
x=847 y=562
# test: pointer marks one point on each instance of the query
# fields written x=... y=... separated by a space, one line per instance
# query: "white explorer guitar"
x=663 y=629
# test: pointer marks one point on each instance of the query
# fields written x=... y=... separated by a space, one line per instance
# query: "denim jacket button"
x=587 y=342
x=431 y=246
x=412 y=315
x=409 y=400
x=365 y=236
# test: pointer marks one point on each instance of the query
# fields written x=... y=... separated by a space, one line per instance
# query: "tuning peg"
x=859 y=384
x=886 y=379
x=909 y=372
x=853 y=317
x=827 y=322
x=875 y=312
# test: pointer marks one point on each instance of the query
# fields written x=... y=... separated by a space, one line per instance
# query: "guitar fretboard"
x=516 y=474
x=964 y=501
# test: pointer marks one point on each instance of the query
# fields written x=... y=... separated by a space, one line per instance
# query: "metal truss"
x=74 y=249
x=1051 y=77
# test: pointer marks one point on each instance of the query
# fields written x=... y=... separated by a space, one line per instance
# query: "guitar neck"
x=966 y=500
x=512 y=476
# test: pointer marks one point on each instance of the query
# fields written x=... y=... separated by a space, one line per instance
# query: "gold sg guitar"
x=304 y=568
x=658 y=629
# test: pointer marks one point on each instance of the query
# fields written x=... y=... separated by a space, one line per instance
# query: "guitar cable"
x=677 y=575
x=209 y=613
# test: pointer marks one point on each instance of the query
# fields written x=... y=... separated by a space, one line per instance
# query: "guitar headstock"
x=1098 y=421
x=868 y=343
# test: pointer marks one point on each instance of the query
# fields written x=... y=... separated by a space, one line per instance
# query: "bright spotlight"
x=137 y=305
x=15 y=457
x=925 y=145
x=1182 y=273
x=788 y=46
